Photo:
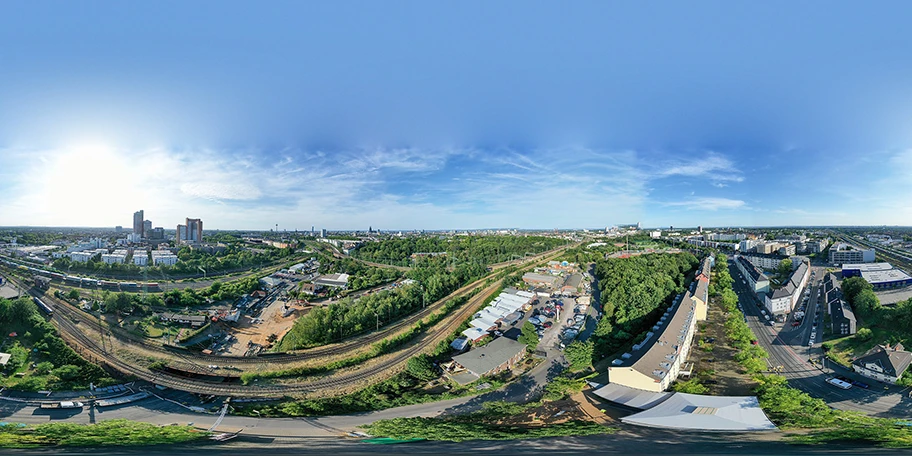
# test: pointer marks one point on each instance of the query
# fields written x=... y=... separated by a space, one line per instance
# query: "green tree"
x=44 y=367
x=692 y=386
x=785 y=267
x=853 y=286
x=529 y=336
x=73 y=295
x=866 y=302
x=579 y=354
x=864 y=334
x=421 y=368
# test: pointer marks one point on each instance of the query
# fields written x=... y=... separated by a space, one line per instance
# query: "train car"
x=43 y=307
x=89 y=282
x=73 y=279
x=152 y=286
x=57 y=275
x=23 y=267
x=127 y=285
x=108 y=284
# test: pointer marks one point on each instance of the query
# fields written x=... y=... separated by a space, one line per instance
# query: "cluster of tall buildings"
x=191 y=232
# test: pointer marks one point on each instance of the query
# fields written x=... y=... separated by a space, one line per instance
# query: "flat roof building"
x=844 y=253
x=499 y=355
x=332 y=280
x=533 y=278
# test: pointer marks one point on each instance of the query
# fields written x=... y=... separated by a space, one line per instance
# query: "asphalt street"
x=789 y=347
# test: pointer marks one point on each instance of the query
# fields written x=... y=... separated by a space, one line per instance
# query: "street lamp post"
x=378 y=320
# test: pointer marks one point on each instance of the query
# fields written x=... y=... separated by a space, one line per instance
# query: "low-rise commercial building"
x=536 y=279
x=844 y=253
x=332 y=280
x=194 y=321
x=498 y=356
x=883 y=363
x=879 y=275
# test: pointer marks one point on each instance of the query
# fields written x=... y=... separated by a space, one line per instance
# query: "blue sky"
x=473 y=114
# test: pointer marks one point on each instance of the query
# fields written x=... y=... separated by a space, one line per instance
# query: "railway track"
x=284 y=359
x=85 y=345
x=90 y=349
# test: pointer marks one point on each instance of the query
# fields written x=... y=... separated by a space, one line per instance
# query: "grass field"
x=845 y=349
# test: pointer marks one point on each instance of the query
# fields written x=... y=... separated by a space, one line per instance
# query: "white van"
x=839 y=383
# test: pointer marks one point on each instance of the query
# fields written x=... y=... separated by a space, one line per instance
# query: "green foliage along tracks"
x=105 y=433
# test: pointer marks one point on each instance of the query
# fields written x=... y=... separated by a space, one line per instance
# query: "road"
x=788 y=347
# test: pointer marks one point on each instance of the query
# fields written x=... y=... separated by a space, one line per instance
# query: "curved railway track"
x=64 y=316
x=91 y=349
x=278 y=360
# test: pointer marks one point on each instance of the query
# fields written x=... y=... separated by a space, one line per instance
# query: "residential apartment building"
x=140 y=258
x=787 y=250
x=656 y=362
x=784 y=299
x=756 y=279
x=764 y=261
x=118 y=256
x=163 y=258
x=842 y=318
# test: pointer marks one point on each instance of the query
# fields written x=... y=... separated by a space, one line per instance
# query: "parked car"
x=754 y=342
x=796 y=323
x=710 y=340
x=547 y=324
x=860 y=384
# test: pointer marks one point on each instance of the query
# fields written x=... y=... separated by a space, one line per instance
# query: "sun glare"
x=88 y=181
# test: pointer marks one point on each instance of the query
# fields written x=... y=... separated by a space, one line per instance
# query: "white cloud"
x=708 y=204
x=709 y=165
x=221 y=191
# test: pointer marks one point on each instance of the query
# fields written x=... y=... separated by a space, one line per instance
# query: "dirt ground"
x=247 y=330
x=732 y=381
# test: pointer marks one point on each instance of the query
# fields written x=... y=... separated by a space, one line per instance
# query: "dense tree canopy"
x=37 y=342
x=459 y=249
x=634 y=290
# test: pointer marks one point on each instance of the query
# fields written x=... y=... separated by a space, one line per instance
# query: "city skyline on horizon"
x=600 y=115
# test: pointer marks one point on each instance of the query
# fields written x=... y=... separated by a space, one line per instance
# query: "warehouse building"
x=879 y=275
x=536 y=279
x=498 y=356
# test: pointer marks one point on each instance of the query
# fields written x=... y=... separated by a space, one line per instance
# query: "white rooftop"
x=705 y=413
